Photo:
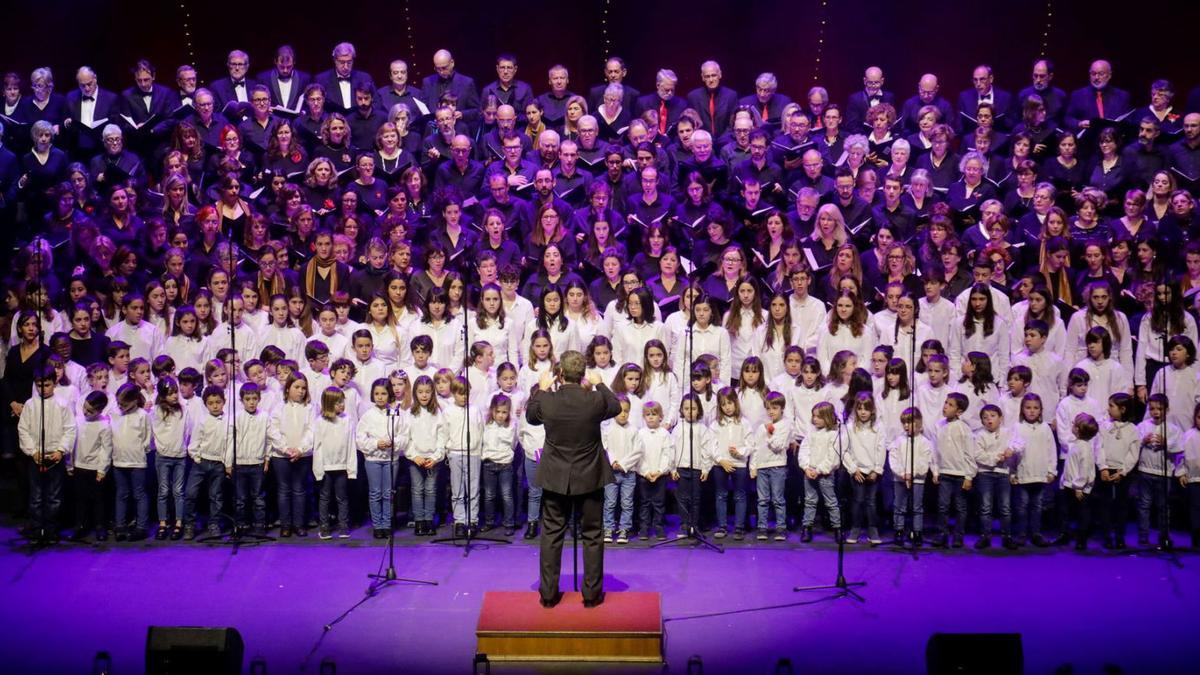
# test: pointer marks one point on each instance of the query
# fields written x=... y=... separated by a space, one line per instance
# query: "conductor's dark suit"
x=573 y=466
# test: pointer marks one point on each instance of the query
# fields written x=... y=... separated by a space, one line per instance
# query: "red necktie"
x=662 y=116
x=1100 y=103
x=712 y=109
x=766 y=112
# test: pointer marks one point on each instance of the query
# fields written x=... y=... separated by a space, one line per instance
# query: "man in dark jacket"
x=573 y=470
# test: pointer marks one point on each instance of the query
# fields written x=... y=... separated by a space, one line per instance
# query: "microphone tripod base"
x=694 y=537
x=845 y=588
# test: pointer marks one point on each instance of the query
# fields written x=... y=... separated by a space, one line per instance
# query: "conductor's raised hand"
x=593 y=378
x=546 y=381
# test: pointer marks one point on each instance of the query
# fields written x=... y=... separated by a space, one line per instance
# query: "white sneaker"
x=852 y=538
x=608 y=536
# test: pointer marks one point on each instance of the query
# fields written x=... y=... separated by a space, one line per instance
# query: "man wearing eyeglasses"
x=983 y=90
x=232 y=93
x=87 y=106
x=871 y=95
x=116 y=164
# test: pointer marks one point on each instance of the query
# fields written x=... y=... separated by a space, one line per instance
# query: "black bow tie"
x=343 y=79
x=284 y=80
x=89 y=98
x=239 y=83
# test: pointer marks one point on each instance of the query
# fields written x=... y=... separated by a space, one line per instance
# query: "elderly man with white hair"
x=766 y=100
x=115 y=165
x=714 y=101
x=663 y=101
x=88 y=108
x=341 y=81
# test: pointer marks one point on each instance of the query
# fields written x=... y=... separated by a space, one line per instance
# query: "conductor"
x=573 y=467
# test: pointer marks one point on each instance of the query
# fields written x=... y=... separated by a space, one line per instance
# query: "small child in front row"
x=377 y=431
x=1079 y=477
x=291 y=435
x=768 y=467
x=1152 y=464
x=863 y=458
x=206 y=447
x=692 y=444
x=818 y=457
x=1036 y=468
x=334 y=461
x=462 y=438
x=993 y=453
x=953 y=469
x=248 y=468
x=131 y=445
x=1189 y=475
x=618 y=436
x=652 y=444
x=425 y=454
x=909 y=457
x=732 y=446
x=532 y=438
x=1120 y=446
x=498 y=451
x=92 y=462
x=168 y=429
x=48 y=470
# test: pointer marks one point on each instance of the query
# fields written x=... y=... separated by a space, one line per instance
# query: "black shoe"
x=1164 y=543
x=531 y=531
x=137 y=534
x=956 y=541
x=177 y=533
x=595 y=602
x=1062 y=539
x=1121 y=542
x=1081 y=544
x=551 y=602
x=486 y=528
x=898 y=538
x=122 y=534
x=301 y=532
x=1010 y=544
x=473 y=530
x=101 y=534
x=983 y=542
x=806 y=534
x=1110 y=542
x=189 y=532
x=1143 y=540
x=508 y=530
x=162 y=533
x=1039 y=541
x=918 y=540
x=79 y=534
x=460 y=530
x=941 y=540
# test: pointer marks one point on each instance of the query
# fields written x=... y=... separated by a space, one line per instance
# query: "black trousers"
x=556 y=511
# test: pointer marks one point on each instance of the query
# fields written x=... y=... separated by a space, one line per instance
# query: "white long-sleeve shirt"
x=808 y=317
x=375 y=425
x=664 y=388
x=288 y=338
x=533 y=437
x=1079 y=468
x=1106 y=378
x=145 y=340
x=800 y=401
x=727 y=434
x=252 y=439
x=291 y=427
x=988 y=449
x=499 y=442
x=188 y=353
x=1049 y=375
x=930 y=400
x=1182 y=387
x=333 y=446
x=939 y=317
x=975 y=402
x=1064 y=418
x=93 y=445
x=1056 y=340
x=169 y=432
x=821 y=450
x=754 y=408
x=741 y=344
x=1150 y=459
x=772 y=442
x=1120 y=446
x=654 y=450
x=629 y=340
x=455 y=421
x=692 y=439
x=712 y=340
x=209 y=438
x=1150 y=344
x=865 y=448
x=952 y=449
x=131 y=439
x=770 y=355
x=60 y=427
x=1190 y=464
x=240 y=337
x=1082 y=321
x=505 y=341
x=844 y=339
x=424 y=436
x=1036 y=455
x=618 y=441
x=910 y=456
x=996 y=345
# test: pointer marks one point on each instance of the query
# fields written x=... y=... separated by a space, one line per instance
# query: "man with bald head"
x=860 y=102
x=927 y=94
x=446 y=79
x=343 y=80
x=1184 y=155
x=1042 y=84
x=507 y=89
x=461 y=171
x=87 y=104
x=984 y=90
x=490 y=148
x=1098 y=100
x=713 y=101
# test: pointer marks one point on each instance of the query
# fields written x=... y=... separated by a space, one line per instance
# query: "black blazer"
x=333 y=92
x=300 y=80
x=162 y=101
x=573 y=459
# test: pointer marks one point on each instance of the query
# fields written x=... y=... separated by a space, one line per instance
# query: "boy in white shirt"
x=207 y=447
x=653 y=447
x=992 y=452
x=618 y=438
x=50 y=454
x=1049 y=376
x=953 y=469
x=251 y=426
x=768 y=467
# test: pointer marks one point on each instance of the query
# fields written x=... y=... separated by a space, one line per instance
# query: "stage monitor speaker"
x=188 y=650
x=975 y=653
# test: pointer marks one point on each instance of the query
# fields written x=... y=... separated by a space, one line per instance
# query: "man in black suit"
x=767 y=101
x=285 y=83
x=86 y=106
x=232 y=93
x=614 y=73
x=447 y=80
x=714 y=102
x=341 y=80
x=399 y=91
x=1098 y=100
x=860 y=102
x=983 y=90
x=927 y=94
x=146 y=98
x=573 y=471
x=507 y=89
x=1055 y=99
x=663 y=101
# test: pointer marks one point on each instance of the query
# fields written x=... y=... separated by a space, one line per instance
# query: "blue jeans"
x=900 y=505
x=464 y=486
x=994 y=490
x=379 y=493
x=623 y=488
x=1028 y=509
x=424 y=491
x=533 y=507
x=864 y=509
x=771 y=483
x=950 y=492
x=739 y=481
x=1151 y=494
x=291 y=481
x=654 y=500
x=171 y=472
x=46 y=494
x=132 y=482
x=334 y=487
x=498 y=482
x=208 y=473
x=814 y=490
x=247 y=487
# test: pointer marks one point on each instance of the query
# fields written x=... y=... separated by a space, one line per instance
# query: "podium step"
x=513 y=626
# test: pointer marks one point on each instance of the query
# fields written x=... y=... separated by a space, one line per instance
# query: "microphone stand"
x=470 y=536
x=39 y=538
x=1164 y=534
x=912 y=446
x=238 y=535
x=844 y=588
x=693 y=536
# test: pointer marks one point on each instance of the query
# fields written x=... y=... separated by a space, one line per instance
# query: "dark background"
x=907 y=37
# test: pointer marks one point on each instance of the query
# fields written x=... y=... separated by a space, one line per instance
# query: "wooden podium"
x=513 y=626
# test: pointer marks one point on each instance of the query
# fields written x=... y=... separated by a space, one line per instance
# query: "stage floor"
x=1135 y=611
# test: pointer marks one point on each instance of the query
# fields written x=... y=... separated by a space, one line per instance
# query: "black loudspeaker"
x=982 y=653
x=174 y=650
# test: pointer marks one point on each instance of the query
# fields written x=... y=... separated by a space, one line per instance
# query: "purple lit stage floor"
x=61 y=606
